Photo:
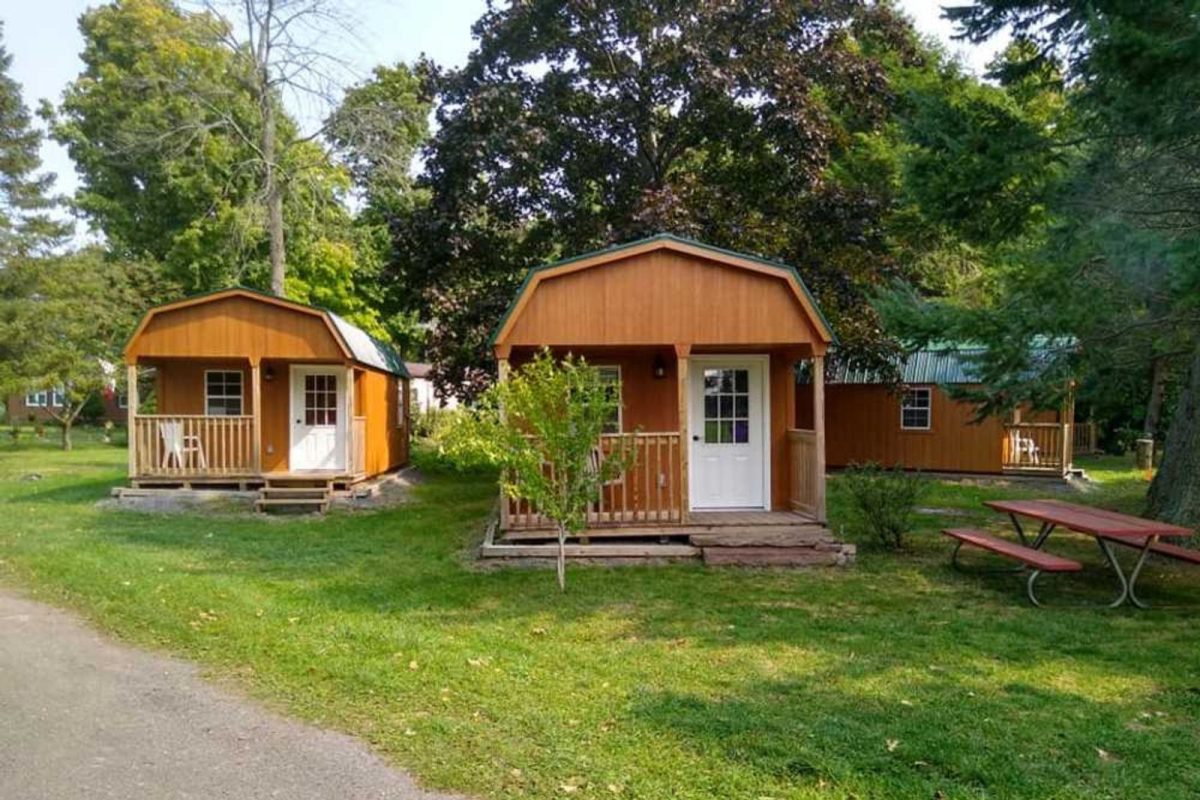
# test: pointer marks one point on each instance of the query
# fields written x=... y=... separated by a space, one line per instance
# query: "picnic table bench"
x=1037 y=560
x=1106 y=527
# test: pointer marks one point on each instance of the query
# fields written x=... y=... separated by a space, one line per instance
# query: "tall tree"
x=575 y=125
x=165 y=132
x=288 y=45
x=27 y=225
x=1136 y=73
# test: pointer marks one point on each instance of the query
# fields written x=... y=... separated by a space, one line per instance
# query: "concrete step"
x=775 y=556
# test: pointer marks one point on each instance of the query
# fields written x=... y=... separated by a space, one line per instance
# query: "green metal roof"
x=946 y=363
x=660 y=237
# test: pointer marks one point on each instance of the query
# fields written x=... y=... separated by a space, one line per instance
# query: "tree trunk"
x=1158 y=381
x=1175 y=492
x=66 y=434
x=562 y=558
x=274 y=196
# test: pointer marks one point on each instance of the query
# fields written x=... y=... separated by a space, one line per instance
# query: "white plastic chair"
x=1025 y=449
x=179 y=446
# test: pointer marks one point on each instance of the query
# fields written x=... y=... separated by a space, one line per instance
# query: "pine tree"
x=27 y=226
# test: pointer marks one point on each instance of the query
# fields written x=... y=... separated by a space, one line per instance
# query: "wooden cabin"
x=701 y=344
x=922 y=427
x=251 y=390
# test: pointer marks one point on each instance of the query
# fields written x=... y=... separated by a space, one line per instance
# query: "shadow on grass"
x=939 y=735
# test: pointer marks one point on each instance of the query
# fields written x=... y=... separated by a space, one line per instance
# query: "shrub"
x=432 y=423
x=884 y=500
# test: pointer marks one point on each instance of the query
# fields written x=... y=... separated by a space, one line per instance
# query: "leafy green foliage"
x=884 y=500
x=164 y=129
x=573 y=127
x=542 y=428
x=26 y=225
x=63 y=321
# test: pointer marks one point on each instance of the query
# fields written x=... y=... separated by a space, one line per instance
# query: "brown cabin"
x=702 y=345
x=248 y=387
x=923 y=427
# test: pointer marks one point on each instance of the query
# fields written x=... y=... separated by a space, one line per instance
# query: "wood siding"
x=236 y=327
x=862 y=424
x=376 y=398
x=662 y=297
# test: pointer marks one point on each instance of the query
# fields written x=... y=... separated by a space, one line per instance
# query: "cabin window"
x=726 y=406
x=222 y=393
x=610 y=376
x=916 y=410
x=122 y=400
x=52 y=398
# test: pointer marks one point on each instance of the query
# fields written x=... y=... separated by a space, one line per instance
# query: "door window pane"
x=726 y=406
x=320 y=399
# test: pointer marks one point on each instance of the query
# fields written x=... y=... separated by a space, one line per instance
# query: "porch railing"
x=1038 y=446
x=802 y=462
x=358 y=446
x=648 y=492
x=1086 y=438
x=183 y=445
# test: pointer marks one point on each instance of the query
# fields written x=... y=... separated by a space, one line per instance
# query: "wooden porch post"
x=131 y=407
x=349 y=419
x=818 y=386
x=502 y=354
x=682 y=356
x=256 y=410
x=1068 y=429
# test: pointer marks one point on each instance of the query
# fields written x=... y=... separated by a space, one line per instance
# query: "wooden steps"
x=783 y=542
x=299 y=494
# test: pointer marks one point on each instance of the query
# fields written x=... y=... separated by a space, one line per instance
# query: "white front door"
x=318 y=419
x=728 y=429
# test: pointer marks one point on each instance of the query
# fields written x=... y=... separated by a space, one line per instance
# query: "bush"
x=93 y=409
x=432 y=423
x=884 y=500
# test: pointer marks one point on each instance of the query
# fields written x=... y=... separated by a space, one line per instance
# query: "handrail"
x=649 y=491
x=193 y=445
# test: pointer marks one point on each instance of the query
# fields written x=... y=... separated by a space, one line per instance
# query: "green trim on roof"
x=395 y=363
x=660 y=237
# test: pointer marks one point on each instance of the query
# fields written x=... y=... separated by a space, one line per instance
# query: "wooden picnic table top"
x=1086 y=519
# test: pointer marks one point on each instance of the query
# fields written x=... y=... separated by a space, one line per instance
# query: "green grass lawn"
x=897 y=678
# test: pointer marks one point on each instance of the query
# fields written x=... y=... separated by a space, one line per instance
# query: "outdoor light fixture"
x=660 y=367
x=269 y=373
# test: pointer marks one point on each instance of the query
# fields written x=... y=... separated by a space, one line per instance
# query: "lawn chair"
x=1025 y=449
x=180 y=446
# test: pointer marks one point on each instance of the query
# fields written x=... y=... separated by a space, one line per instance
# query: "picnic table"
x=1107 y=527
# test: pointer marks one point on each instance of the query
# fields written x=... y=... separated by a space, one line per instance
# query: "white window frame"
x=927 y=408
x=602 y=368
x=37 y=399
x=241 y=395
x=123 y=398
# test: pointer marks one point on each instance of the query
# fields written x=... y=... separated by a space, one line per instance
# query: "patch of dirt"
x=387 y=491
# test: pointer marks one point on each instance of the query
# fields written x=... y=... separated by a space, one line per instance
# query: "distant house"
x=41 y=404
x=254 y=390
x=424 y=396
x=923 y=427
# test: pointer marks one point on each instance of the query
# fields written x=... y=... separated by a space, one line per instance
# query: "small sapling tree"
x=542 y=428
